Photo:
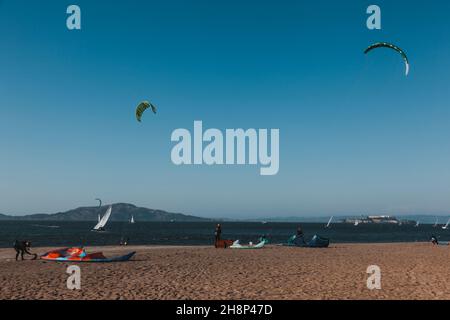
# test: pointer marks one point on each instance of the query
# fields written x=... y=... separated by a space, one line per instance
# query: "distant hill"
x=120 y=212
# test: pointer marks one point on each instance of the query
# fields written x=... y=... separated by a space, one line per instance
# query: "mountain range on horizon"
x=124 y=211
x=120 y=212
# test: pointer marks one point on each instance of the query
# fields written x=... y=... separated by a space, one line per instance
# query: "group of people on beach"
x=23 y=248
x=300 y=237
x=218 y=235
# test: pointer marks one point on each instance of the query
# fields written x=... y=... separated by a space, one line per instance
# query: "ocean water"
x=61 y=234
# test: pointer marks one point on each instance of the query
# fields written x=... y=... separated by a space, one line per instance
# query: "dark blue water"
x=202 y=233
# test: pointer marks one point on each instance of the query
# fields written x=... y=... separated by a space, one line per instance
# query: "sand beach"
x=408 y=271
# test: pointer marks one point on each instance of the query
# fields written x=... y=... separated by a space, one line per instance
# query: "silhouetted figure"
x=434 y=240
x=300 y=237
x=124 y=241
x=217 y=234
x=23 y=247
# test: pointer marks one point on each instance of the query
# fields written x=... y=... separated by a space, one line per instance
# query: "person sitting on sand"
x=23 y=247
x=218 y=233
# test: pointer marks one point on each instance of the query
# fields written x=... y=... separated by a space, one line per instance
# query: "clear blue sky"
x=357 y=136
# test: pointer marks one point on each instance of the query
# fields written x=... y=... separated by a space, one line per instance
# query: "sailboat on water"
x=446 y=226
x=436 y=223
x=132 y=219
x=417 y=224
x=100 y=226
x=329 y=222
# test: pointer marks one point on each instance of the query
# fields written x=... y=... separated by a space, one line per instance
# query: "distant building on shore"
x=375 y=220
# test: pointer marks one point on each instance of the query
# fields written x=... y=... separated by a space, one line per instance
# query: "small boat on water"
x=100 y=226
x=329 y=222
x=44 y=226
x=132 y=219
x=446 y=226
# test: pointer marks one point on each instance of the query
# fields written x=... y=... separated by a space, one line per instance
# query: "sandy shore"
x=409 y=271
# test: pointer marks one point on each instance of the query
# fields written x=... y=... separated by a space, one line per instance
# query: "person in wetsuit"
x=23 y=247
x=434 y=240
x=300 y=237
x=217 y=234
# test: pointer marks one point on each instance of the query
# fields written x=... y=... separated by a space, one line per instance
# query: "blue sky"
x=356 y=135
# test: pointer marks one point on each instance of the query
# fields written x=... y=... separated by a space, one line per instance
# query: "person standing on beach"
x=218 y=234
x=300 y=236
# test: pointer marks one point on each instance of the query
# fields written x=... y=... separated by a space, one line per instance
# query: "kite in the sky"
x=393 y=47
x=141 y=109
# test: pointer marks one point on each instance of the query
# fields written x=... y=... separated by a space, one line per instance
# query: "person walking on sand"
x=217 y=234
x=434 y=240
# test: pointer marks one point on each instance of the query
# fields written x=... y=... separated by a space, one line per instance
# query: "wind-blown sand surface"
x=409 y=271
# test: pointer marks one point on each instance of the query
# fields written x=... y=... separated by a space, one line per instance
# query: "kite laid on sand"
x=80 y=255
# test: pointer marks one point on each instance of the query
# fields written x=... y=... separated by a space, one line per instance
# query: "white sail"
x=418 y=223
x=436 y=223
x=132 y=219
x=104 y=220
x=99 y=218
x=329 y=222
x=446 y=226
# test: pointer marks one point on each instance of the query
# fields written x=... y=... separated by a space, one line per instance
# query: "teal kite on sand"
x=316 y=242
